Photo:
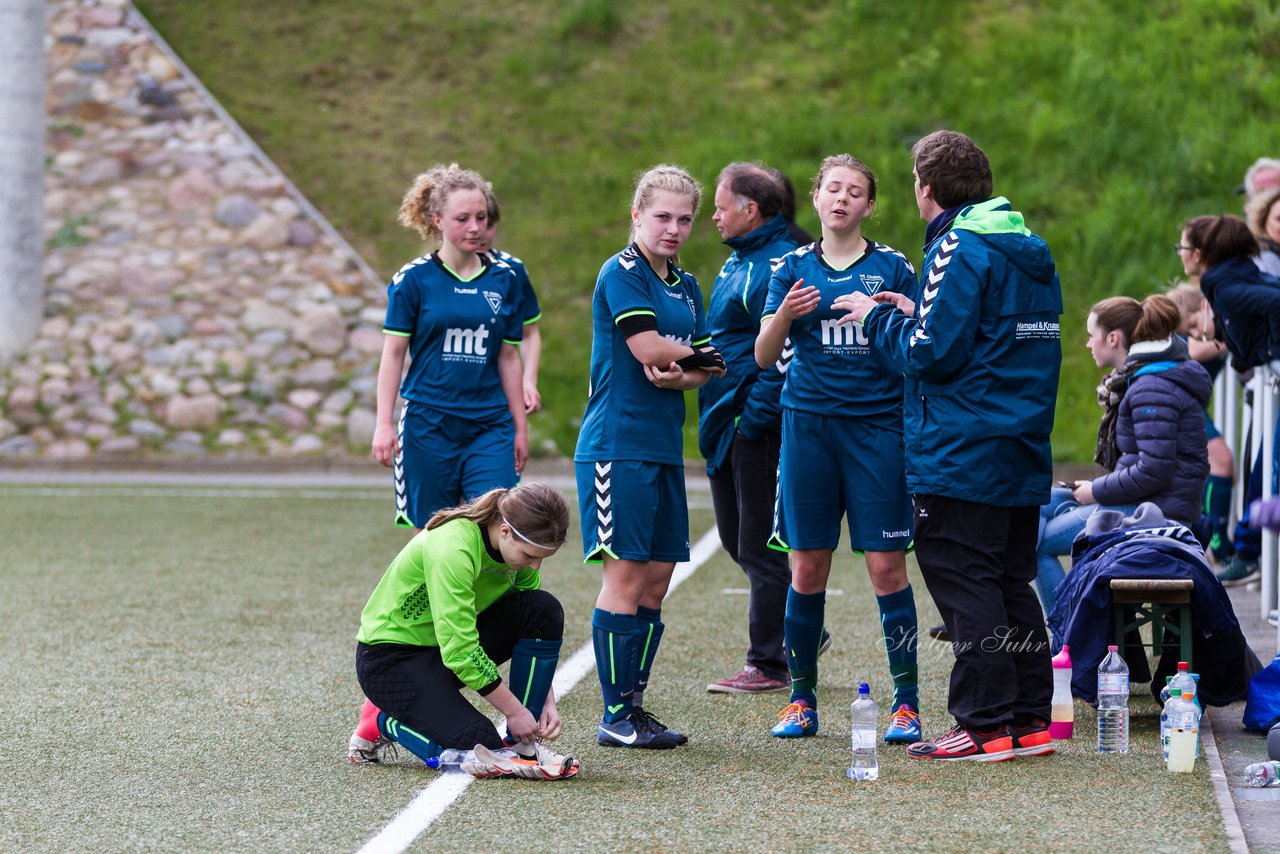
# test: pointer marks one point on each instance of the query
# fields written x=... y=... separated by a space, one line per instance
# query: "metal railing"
x=1247 y=420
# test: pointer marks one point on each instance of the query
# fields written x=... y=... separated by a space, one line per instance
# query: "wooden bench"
x=1155 y=600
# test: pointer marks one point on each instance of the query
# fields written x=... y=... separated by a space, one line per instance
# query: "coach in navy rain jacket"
x=1146 y=545
x=982 y=365
x=746 y=397
x=1160 y=437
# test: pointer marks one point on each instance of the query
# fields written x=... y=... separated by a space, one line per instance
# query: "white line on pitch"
x=432 y=801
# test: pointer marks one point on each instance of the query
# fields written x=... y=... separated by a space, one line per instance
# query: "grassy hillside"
x=1107 y=123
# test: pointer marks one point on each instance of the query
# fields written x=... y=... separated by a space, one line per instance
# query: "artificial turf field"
x=178 y=675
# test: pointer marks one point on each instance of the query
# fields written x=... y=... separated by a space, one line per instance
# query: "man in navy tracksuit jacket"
x=981 y=354
x=739 y=423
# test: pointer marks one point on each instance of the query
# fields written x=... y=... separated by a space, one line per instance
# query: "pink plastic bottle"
x=1062 y=713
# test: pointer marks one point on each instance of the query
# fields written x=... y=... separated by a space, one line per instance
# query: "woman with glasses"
x=1246 y=304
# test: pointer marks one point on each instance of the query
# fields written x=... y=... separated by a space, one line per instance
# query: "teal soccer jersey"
x=530 y=310
x=455 y=330
x=835 y=369
x=628 y=417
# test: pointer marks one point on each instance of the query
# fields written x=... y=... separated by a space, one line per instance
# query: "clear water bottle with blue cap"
x=865 y=765
x=449 y=761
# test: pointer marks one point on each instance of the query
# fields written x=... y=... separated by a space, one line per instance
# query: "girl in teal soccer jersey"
x=649 y=344
x=531 y=346
x=457 y=314
x=841 y=397
x=460 y=598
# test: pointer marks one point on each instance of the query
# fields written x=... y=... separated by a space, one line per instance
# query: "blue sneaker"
x=634 y=731
x=905 y=726
x=796 y=721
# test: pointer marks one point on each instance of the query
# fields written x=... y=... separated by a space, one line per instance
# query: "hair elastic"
x=516 y=531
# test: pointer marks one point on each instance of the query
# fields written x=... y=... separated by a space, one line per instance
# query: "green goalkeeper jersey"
x=432 y=592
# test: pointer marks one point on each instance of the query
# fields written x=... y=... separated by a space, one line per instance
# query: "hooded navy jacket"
x=1146 y=545
x=746 y=397
x=1160 y=434
x=981 y=356
x=1247 y=304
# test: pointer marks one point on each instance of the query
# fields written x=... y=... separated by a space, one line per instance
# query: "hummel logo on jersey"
x=466 y=342
x=467 y=291
x=686 y=341
x=873 y=284
x=836 y=334
x=495 y=300
x=891 y=534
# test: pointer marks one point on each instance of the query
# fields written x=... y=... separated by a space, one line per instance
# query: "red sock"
x=368 y=726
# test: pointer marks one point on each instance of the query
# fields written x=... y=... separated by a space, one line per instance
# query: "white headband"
x=515 y=531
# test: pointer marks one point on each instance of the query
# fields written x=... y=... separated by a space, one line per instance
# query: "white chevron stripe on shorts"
x=397 y=468
x=604 y=505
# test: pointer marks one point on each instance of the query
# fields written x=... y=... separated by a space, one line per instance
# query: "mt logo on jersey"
x=466 y=342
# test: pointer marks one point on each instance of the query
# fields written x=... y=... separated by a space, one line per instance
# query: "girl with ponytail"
x=1223 y=252
x=461 y=598
x=1151 y=439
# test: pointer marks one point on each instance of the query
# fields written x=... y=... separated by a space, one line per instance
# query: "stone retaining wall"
x=195 y=304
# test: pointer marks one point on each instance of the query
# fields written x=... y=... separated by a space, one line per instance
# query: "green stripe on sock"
x=528 y=686
x=644 y=654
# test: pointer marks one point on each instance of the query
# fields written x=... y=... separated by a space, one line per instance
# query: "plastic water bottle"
x=1184 y=680
x=1062 y=713
x=1184 y=735
x=449 y=761
x=864 y=712
x=1263 y=775
x=1113 y=703
x=1167 y=712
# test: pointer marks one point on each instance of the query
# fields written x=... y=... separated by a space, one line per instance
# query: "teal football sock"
x=898 y=624
x=802 y=631
x=533 y=666
x=611 y=637
x=410 y=739
x=649 y=628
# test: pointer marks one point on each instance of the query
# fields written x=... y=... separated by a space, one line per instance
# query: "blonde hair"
x=1258 y=208
x=672 y=179
x=1187 y=297
x=537 y=511
x=431 y=190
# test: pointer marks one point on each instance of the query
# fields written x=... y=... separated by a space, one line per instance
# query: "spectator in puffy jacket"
x=1246 y=303
x=1151 y=439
